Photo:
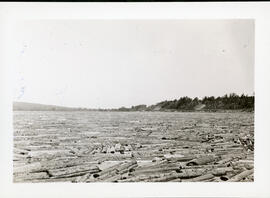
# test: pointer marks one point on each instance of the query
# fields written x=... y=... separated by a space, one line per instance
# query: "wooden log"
x=73 y=171
x=30 y=176
x=101 y=177
x=115 y=178
x=241 y=176
x=118 y=174
x=29 y=168
x=185 y=174
x=156 y=170
x=126 y=165
x=176 y=180
x=190 y=173
x=221 y=171
x=200 y=178
x=229 y=175
x=112 y=171
x=159 y=166
x=202 y=160
x=143 y=177
x=165 y=178
x=180 y=159
x=151 y=165
x=241 y=165
x=226 y=160
x=207 y=166
x=20 y=151
x=82 y=178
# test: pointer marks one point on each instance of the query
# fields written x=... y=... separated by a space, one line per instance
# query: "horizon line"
x=92 y=108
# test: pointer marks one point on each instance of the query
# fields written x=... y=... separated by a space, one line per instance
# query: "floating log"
x=221 y=171
x=73 y=171
x=29 y=168
x=126 y=166
x=156 y=159
x=143 y=178
x=200 y=178
x=202 y=160
x=190 y=173
x=112 y=171
x=226 y=160
x=243 y=164
x=241 y=176
x=156 y=170
x=180 y=159
x=30 y=176
x=118 y=173
x=83 y=178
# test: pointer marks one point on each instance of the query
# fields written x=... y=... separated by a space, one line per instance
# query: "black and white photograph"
x=133 y=100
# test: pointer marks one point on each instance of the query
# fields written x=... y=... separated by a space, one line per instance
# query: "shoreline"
x=165 y=111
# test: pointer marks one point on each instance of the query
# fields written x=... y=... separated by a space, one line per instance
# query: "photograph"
x=133 y=100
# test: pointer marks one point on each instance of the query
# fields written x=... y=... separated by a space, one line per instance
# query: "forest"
x=227 y=102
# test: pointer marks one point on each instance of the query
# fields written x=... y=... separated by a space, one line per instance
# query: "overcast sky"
x=114 y=63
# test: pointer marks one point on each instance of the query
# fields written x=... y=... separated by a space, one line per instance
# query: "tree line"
x=227 y=102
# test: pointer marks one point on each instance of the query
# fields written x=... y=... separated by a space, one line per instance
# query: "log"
x=30 y=176
x=229 y=175
x=113 y=171
x=226 y=160
x=119 y=174
x=126 y=165
x=221 y=171
x=190 y=173
x=208 y=166
x=158 y=166
x=180 y=159
x=83 y=178
x=165 y=178
x=156 y=170
x=29 y=168
x=200 y=178
x=202 y=160
x=73 y=171
x=185 y=174
x=241 y=165
x=143 y=177
x=128 y=169
x=241 y=176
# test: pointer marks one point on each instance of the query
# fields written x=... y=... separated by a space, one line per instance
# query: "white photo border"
x=260 y=12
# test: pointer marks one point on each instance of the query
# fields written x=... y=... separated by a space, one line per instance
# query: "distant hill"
x=25 y=106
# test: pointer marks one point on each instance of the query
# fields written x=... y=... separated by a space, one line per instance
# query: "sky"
x=115 y=63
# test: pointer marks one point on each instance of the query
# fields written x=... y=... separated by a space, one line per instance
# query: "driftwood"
x=165 y=178
x=221 y=171
x=226 y=160
x=241 y=176
x=143 y=177
x=156 y=170
x=202 y=160
x=180 y=159
x=111 y=173
x=73 y=171
x=31 y=176
x=200 y=178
